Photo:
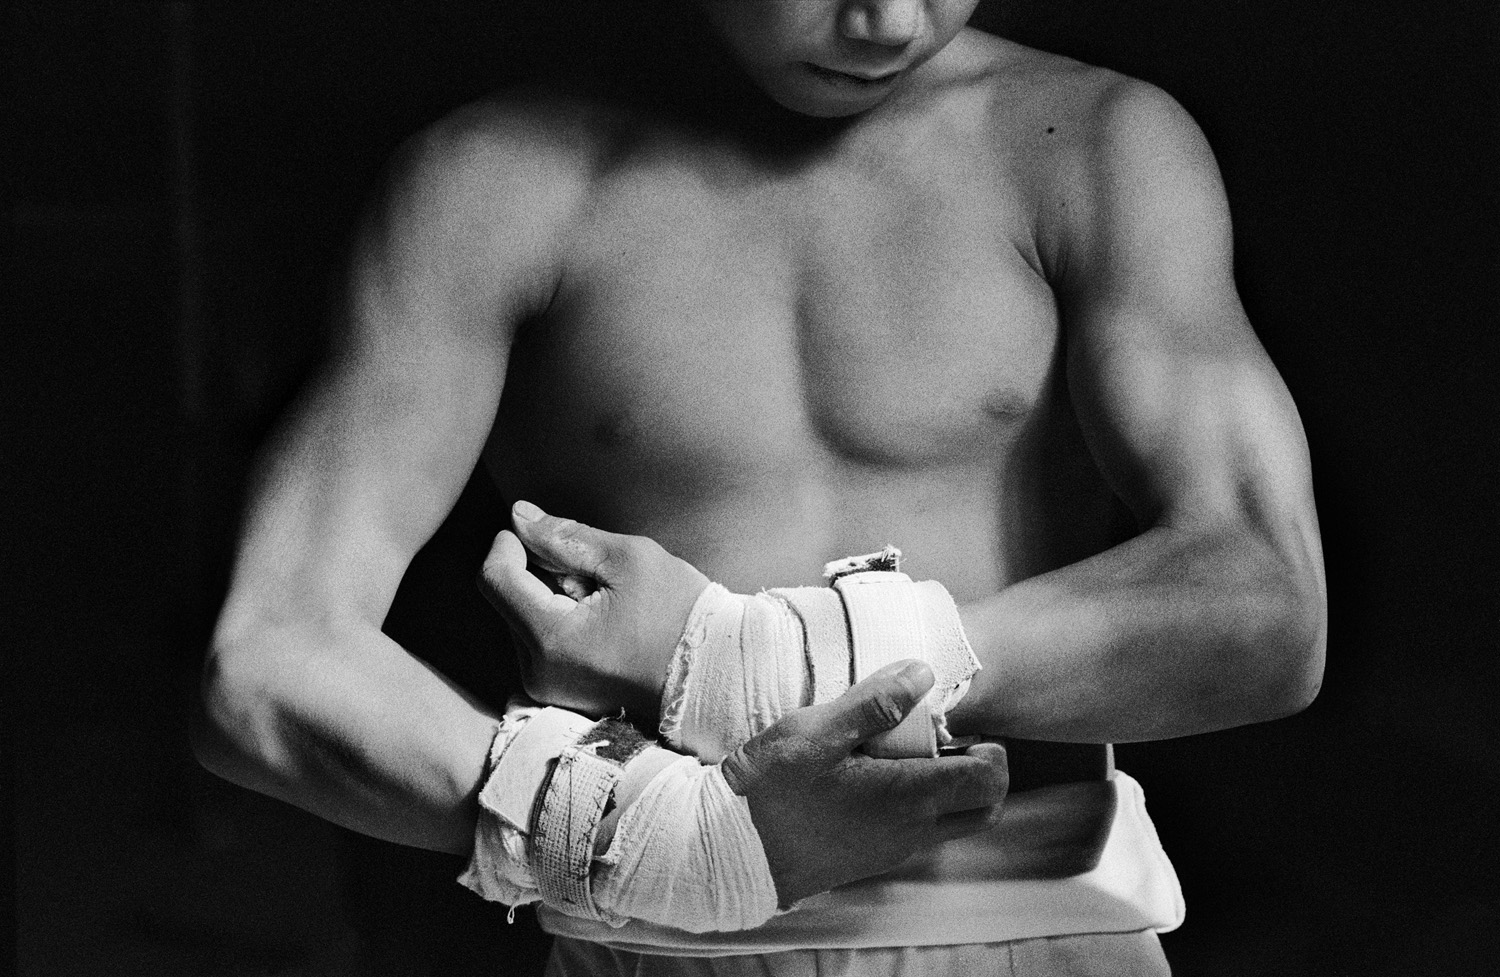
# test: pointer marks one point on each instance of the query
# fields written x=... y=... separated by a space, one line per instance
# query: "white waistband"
x=962 y=892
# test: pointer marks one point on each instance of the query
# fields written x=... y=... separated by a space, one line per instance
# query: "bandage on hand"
x=746 y=660
x=684 y=852
x=794 y=811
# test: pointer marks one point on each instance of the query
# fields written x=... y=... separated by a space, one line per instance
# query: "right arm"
x=303 y=697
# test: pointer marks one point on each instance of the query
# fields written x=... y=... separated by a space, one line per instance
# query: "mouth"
x=835 y=77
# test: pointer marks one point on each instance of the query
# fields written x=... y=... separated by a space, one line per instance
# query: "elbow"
x=209 y=733
x=221 y=732
x=1292 y=640
x=1296 y=676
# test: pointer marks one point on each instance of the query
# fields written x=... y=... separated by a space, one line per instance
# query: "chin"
x=823 y=111
x=819 y=104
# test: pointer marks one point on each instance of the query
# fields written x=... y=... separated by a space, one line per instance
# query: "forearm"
x=1172 y=633
x=340 y=721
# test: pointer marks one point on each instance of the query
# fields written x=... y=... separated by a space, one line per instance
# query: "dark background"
x=180 y=178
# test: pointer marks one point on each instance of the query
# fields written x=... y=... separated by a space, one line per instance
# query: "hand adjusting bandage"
x=744 y=661
x=685 y=852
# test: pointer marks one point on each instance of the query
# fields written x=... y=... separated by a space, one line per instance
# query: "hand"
x=828 y=814
x=606 y=641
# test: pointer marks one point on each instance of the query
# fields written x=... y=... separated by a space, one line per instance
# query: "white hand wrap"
x=744 y=661
x=685 y=853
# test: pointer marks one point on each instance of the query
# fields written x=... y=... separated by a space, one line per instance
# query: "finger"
x=961 y=824
x=953 y=784
x=565 y=546
x=575 y=586
x=527 y=604
x=872 y=706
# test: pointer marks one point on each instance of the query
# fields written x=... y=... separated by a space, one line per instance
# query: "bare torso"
x=769 y=359
x=770 y=349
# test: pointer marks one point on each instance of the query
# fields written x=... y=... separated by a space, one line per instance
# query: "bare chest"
x=847 y=317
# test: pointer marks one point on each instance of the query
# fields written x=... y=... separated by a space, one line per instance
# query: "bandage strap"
x=891 y=618
x=885 y=626
x=553 y=784
x=825 y=631
x=562 y=836
x=513 y=786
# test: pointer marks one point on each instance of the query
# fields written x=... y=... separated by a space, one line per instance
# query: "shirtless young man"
x=938 y=290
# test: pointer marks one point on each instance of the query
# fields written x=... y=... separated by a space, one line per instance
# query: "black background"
x=179 y=183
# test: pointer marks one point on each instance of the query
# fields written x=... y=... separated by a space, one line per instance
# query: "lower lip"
x=853 y=81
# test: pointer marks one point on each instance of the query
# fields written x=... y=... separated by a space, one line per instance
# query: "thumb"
x=524 y=601
x=564 y=546
x=872 y=706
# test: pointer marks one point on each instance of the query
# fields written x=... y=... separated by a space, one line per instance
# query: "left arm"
x=1214 y=616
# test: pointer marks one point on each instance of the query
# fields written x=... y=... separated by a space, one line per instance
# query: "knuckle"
x=570 y=541
x=625 y=552
x=611 y=563
x=796 y=749
x=882 y=711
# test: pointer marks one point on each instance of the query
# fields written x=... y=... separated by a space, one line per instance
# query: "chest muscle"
x=720 y=327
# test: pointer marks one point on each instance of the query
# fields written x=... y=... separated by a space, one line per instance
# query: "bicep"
x=359 y=475
x=1182 y=408
x=1186 y=417
x=380 y=443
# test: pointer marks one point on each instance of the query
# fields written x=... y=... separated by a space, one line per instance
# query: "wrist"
x=746 y=660
x=964 y=718
x=649 y=668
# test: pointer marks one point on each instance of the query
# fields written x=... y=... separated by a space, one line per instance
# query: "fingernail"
x=913 y=672
x=526 y=512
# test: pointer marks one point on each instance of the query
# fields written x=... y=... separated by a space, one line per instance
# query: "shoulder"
x=483 y=201
x=1135 y=134
x=1100 y=152
x=523 y=147
x=1095 y=116
x=1144 y=193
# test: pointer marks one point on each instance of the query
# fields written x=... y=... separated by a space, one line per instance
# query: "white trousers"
x=1085 y=955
